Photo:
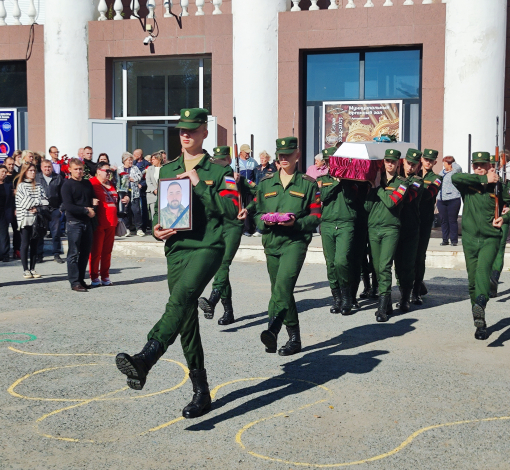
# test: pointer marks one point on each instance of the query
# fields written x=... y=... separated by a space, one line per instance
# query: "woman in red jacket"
x=104 y=234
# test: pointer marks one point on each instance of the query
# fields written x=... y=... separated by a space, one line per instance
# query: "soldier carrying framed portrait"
x=174 y=204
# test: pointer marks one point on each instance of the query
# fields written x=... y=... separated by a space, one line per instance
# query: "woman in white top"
x=152 y=178
x=29 y=196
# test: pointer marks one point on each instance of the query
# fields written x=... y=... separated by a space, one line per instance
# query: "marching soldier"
x=285 y=243
x=384 y=203
x=193 y=257
x=339 y=215
x=232 y=233
x=481 y=232
x=431 y=183
x=405 y=256
x=497 y=267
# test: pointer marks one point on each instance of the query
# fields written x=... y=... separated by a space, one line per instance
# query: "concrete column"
x=474 y=75
x=66 y=76
x=255 y=56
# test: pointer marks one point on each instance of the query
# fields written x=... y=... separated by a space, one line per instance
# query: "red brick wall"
x=358 y=28
x=13 y=46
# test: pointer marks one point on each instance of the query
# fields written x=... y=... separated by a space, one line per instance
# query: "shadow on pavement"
x=141 y=280
x=312 y=286
x=321 y=365
x=503 y=337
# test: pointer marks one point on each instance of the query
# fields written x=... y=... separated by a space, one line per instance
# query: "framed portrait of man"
x=174 y=204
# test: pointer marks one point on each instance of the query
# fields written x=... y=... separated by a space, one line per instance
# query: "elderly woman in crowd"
x=17 y=155
x=29 y=196
x=320 y=168
x=448 y=202
x=152 y=178
x=104 y=234
x=128 y=177
x=27 y=156
x=265 y=167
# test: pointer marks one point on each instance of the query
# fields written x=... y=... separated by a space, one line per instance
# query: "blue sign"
x=8 y=132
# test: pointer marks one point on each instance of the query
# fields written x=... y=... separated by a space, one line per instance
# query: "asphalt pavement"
x=418 y=392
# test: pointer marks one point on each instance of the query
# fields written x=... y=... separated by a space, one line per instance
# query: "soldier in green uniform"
x=481 y=232
x=497 y=267
x=338 y=232
x=174 y=214
x=193 y=257
x=405 y=256
x=285 y=243
x=384 y=203
x=232 y=233
x=431 y=183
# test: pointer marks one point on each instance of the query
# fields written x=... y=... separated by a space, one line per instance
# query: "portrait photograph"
x=174 y=209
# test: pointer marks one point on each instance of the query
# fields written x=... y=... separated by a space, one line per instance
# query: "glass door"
x=149 y=138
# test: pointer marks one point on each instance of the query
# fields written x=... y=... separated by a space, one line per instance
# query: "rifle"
x=497 y=188
x=237 y=170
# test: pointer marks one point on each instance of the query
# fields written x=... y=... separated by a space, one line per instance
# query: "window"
x=161 y=88
x=13 y=84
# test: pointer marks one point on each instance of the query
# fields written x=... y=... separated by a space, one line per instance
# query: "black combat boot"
x=404 y=305
x=201 y=401
x=366 y=286
x=335 y=308
x=346 y=306
x=228 y=315
x=354 y=293
x=416 y=299
x=293 y=345
x=481 y=333
x=478 y=311
x=270 y=336
x=381 y=315
x=208 y=305
x=374 y=291
x=138 y=366
x=494 y=284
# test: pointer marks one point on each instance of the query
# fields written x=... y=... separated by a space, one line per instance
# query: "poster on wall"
x=8 y=132
x=360 y=121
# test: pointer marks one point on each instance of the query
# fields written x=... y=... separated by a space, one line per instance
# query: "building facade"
x=431 y=72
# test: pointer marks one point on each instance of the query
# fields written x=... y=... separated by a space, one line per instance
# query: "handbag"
x=120 y=230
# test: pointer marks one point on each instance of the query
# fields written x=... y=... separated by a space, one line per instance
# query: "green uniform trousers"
x=500 y=257
x=189 y=272
x=405 y=258
x=232 y=235
x=284 y=269
x=338 y=246
x=421 y=254
x=480 y=254
x=383 y=243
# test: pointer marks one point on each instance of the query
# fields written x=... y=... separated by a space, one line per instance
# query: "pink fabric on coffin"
x=354 y=168
x=276 y=217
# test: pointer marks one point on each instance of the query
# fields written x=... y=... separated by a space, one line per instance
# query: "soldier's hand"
x=492 y=176
x=498 y=223
x=505 y=210
x=192 y=175
x=242 y=215
x=290 y=223
x=236 y=177
x=163 y=233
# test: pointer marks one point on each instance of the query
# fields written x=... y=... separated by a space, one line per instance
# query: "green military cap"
x=413 y=156
x=222 y=151
x=493 y=159
x=329 y=152
x=287 y=145
x=481 y=157
x=430 y=154
x=192 y=118
x=392 y=154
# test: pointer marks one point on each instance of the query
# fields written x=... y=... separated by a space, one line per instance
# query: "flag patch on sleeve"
x=401 y=189
x=437 y=182
x=230 y=182
x=416 y=184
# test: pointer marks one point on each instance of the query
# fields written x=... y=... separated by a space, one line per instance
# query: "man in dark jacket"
x=6 y=212
x=52 y=185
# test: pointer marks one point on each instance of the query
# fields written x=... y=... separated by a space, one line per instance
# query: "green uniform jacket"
x=338 y=198
x=479 y=204
x=385 y=202
x=301 y=197
x=214 y=199
x=431 y=183
x=245 y=186
x=410 y=215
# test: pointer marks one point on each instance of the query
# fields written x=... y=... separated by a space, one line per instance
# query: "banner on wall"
x=8 y=132
x=360 y=121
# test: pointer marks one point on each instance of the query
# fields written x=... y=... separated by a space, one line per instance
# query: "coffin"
x=361 y=161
